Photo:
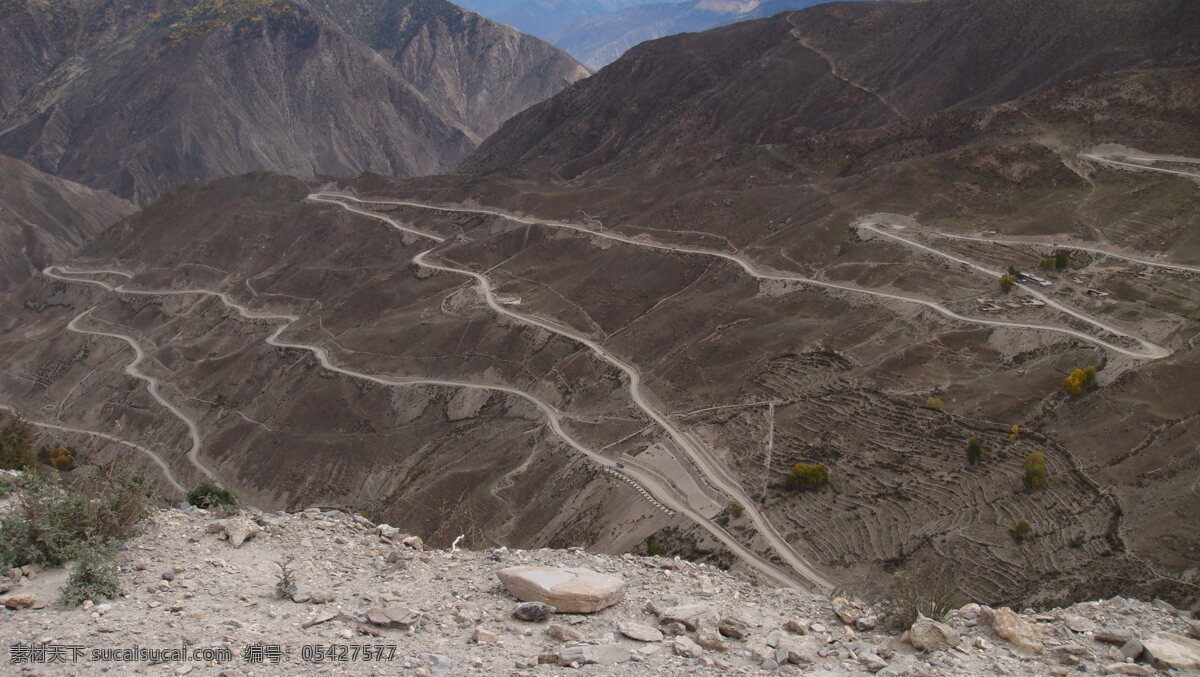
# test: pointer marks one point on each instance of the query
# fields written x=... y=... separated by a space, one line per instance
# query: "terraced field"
x=902 y=489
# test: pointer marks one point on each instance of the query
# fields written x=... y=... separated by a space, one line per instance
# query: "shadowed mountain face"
x=742 y=230
x=597 y=40
x=139 y=98
x=43 y=218
x=833 y=68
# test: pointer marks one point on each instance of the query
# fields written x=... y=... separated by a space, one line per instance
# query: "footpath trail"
x=658 y=491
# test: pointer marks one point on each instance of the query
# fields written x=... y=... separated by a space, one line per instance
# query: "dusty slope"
x=833 y=68
x=182 y=583
x=43 y=218
x=138 y=99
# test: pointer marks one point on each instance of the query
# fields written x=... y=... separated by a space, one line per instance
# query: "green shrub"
x=50 y=521
x=652 y=546
x=736 y=510
x=16 y=445
x=931 y=592
x=1020 y=531
x=1035 y=470
x=808 y=476
x=212 y=496
x=975 y=452
x=934 y=402
x=1007 y=282
x=93 y=577
x=285 y=583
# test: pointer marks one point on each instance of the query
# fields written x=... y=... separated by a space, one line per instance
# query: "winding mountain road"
x=1104 y=159
x=1069 y=245
x=152 y=384
x=670 y=496
x=1149 y=350
x=1152 y=351
x=154 y=457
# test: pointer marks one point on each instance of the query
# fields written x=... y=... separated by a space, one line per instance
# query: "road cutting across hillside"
x=662 y=492
x=1151 y=352
x=710 y=467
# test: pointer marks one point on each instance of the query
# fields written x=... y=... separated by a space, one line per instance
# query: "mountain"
x=834 y=68
x=739 y=297
x=544 y=18
x=42 y=218
x=138 y=98
x=597 y=40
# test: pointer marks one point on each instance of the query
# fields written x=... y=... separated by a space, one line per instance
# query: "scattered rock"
x=1128 y=669
x=240 y=529
x=872 y=662
x=709 y=638
x=1112 y=637
x=684 y=646
x=16 y=602
x=847 y=611
x=796 y=627
x=1167 y=651
x=1132 y=649
x=1011 y=626
x=690 y=616
x=569 y=590
x=401 y=618
x=588 y=654
x=733 y=627
x=639 y=632
x=323 y=617
x=414 y=542
x=533 y=612
x=481 y=636
x=929 y=635
x=563 y=633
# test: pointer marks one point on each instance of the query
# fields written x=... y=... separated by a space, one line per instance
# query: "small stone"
x=684 y=646
x=796 y=627
x=1111 y=637
x=588 y=654
x=1011 y=626
x=1132 y=649
x=533 y=612
x=691 y=616
x=929 y=635
x=734 y=628
x=816 y=627
x=1078 y=623
x=323 y=617
x=563 y=633
x=847 y=611
x=639 y=632
x=414 y=542
x=872 y=662
x=240 y=529
x=709 y=638
x=401 y=618
x=168 y=575
x=1128 y=669
x=482 y=636
x=16 y=602
x=865 y=624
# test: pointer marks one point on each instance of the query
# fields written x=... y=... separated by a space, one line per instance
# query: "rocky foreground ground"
x=200 y=598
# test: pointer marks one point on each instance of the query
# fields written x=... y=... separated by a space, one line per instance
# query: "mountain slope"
x=42 y=218
x=597 y=40
x=832 y=68
x=478 y=71
x=138 y=99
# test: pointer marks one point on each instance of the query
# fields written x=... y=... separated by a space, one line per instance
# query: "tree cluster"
x=808 y=476
x=1079 y=380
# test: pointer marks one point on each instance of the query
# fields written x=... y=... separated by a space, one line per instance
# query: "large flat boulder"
x=569 y=590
